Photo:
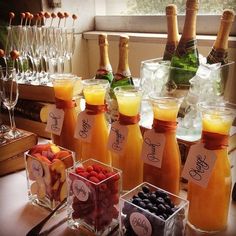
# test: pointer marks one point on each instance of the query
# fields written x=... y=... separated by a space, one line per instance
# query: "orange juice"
x=168 y=176
x=63 y=88
x=208 y=208
x=94 y=93
x=129 y=100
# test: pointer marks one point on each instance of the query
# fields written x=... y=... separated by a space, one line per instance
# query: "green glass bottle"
x=185 y=61
x=172 y=32
x=219 y=51
x=105 y=70
x=122 y=76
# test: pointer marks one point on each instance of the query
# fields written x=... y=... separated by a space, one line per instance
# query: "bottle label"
x=55 y=120
x=153 y=147
x=199 y=165
x=218 y=55
x=117 y=138
x=140 y=224
x=169 y=51
x=81 y=190
x=84 y=125
x=37 y=169
x=184 y=48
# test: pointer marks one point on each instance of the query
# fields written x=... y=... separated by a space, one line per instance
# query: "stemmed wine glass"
x=9 y=95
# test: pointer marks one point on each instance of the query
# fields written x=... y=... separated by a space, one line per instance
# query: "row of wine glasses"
x=43 y=50
x=9 y=96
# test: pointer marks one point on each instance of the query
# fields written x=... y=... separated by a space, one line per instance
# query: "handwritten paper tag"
x=199 y=165
x=55 y=120
x=83 y=129
x=140 y=224
x=152 y=149
x=81 y=190
x=117 y=138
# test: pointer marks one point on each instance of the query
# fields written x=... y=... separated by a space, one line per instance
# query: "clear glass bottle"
x=165 y=110
x=105 y=70
x=63 y=85
x=209 y=207
x=172 y=32
x=94 y=92
x=129 y=101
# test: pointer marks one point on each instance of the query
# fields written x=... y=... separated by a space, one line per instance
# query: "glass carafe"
x=94 y=92
x=167 y=176
x=129 y=100
x=63 y=85
x=208 y=208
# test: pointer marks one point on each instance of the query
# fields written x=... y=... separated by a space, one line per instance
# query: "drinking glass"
x=9 y=97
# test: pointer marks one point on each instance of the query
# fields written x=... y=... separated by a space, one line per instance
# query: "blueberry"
x=161 y=216
x=142 y=195
x=145 y=189
x=167 y=200
x=160 y=193
x=161 y=208
x=142 y=205
x=136 y=201
x=146 y=200
x=165 y=216
x=168 y=209
x=149 y=206
x=234 y=193
x=152 y=198
x=160 y=200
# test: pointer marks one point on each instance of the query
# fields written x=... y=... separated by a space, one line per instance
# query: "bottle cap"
x=124 y=40
x=102 y=39
x=228 y=15
x=171 y=9
x=192 y=4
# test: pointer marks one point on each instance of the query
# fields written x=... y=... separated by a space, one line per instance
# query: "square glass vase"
x=93 y=197
x=46 y=174
x=153 y=212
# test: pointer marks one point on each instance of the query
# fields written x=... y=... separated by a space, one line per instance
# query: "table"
x=18 y=216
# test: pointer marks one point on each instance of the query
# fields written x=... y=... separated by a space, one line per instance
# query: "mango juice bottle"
x=129 y=101
x=208 y=207
x=165 y=110
x=63 y=85
x=94 y=91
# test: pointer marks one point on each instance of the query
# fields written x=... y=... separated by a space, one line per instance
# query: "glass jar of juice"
x=208 y=208
x=95 y=92
x=63 y=85
x=167 y=175
x=129 y=101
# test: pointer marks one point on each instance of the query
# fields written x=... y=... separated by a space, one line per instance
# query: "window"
x=148 y=16
x=153 y=7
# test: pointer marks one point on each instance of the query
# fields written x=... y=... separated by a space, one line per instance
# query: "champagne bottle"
x=185 y=61
x=219 y=51
x=172 y=32
x=123 y=74
x=121 y=78
x=105 y=69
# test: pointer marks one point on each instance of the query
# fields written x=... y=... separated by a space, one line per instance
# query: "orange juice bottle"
x=208 y=207
x=94 y=91
x=63 y=85
x=129 y=100
x=165 y=111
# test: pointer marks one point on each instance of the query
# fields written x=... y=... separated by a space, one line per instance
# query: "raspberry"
x=84 y=174
x=94 y=179
x=89 y=168
x=101 y=176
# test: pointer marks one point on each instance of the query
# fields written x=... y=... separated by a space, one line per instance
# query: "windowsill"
x=203 y=40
